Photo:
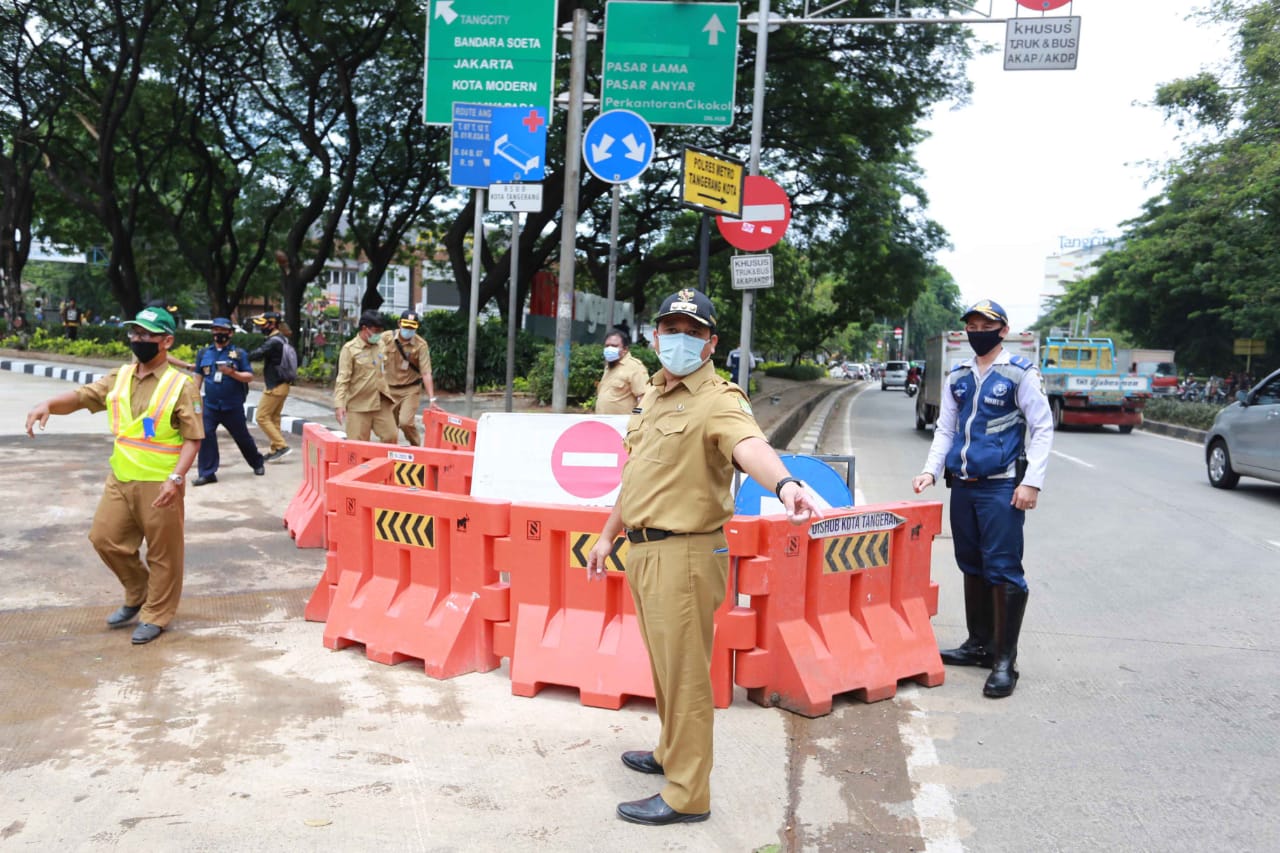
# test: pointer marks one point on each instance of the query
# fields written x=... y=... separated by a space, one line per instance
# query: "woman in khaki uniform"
x=408 y=364
x=154 y=412
x=625 y=378
x=690 y=431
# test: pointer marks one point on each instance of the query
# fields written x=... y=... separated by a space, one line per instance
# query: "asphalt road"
x=1144 y=719
x=1146 y=715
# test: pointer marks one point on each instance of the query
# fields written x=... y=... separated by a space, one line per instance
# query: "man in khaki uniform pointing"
x=154 y=412
x=689 y=432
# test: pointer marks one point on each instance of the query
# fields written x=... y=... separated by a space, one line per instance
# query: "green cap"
x=154 y=320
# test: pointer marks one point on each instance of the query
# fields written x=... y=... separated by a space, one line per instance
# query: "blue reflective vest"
x=990 y=428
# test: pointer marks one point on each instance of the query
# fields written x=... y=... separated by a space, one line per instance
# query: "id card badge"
x=149 y=427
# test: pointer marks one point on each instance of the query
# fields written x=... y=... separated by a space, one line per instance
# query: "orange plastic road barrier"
x=317 y=609
x=845 y=609
x=416 y=578
x=451 y=432
x=433 y=469
x=569 y=631
x=304 y=517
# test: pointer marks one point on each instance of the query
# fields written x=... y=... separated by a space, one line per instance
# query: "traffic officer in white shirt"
x=993 y=437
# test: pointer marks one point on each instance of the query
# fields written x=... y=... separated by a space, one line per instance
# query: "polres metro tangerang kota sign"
x=1041 y=5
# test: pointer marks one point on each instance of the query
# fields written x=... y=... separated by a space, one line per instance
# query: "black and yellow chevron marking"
x=853 y=553
x=404 y=528
x=456 y=435
x=411 y=474
x=582 y=543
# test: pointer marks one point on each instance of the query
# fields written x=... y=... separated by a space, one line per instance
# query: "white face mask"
x=612 y=354
x=680 y=354
x=407 y=334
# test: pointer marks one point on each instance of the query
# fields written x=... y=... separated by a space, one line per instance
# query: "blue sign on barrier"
x=469 y=145
x=618 y=146
x=816 y=474
x=519 y=145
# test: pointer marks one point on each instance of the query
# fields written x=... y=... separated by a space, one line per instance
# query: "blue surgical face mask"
x=680 y=354
x=407 y=333
x=612 y=354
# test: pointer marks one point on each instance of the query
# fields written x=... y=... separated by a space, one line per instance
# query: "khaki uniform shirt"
x=187 y=418
x=621 y=384
x=680 y=464
x=399 y=372
x=362 y=381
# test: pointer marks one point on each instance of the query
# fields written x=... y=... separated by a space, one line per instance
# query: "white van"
x=895 y=375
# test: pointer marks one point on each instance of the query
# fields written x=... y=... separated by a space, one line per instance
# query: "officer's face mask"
x=612 y=354
x=984 y=342
x=144 y=351
x=407 y=334
x=680 y=354
x=221 y=340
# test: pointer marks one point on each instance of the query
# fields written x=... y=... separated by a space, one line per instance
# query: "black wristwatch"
x=777 y=490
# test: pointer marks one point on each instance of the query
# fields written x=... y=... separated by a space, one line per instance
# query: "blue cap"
x=221 y=322
x=989 y=309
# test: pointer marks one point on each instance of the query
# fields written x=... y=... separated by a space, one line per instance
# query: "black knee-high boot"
x=975 y=651
x=1009 y=603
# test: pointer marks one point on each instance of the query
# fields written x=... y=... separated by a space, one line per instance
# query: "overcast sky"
x=1038 y=156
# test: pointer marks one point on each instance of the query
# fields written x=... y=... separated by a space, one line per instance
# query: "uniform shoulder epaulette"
x=1021 y=361
x=964 y=365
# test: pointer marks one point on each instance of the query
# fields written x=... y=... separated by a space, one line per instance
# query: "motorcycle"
x=1191 y=391
x=911 y=389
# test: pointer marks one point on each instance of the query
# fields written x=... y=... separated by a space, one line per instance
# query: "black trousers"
x=233 y=420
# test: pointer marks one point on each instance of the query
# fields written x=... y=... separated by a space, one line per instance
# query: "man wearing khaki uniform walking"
x=408 y=365
x=361 y=399
x=689 y=432
x=154 y=413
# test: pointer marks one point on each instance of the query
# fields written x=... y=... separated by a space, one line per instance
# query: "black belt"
x=408 y=385
x=653 y=534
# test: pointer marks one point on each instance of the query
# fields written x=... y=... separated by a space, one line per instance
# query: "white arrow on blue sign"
x=618 y=146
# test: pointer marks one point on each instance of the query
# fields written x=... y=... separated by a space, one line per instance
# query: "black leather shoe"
x=123 y=616
x=655 y=812
x=145 y=633
x=259 y=470
x=641 y=761
x=204 y=481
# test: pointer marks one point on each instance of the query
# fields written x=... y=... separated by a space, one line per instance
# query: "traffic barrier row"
x=460 y=583
x=325 y=456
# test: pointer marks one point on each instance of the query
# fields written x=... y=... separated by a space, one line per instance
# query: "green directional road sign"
x=494 y=52
x=671 y=63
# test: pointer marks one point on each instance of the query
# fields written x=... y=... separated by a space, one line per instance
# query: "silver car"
x=895 y=375
x=1245 y=437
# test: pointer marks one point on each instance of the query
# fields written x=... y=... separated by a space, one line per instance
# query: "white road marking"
x=933 y=805
x=1071 y=458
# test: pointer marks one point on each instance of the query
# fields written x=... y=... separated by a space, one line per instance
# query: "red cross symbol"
x=533 y=121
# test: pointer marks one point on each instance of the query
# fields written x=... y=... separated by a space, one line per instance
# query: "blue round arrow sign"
x=618 y=146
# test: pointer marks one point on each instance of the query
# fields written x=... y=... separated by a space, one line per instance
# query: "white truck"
x=943 y=352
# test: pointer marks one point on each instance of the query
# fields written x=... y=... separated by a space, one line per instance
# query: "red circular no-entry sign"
x=766 y=213
x=587 y=459
x=1041 y=5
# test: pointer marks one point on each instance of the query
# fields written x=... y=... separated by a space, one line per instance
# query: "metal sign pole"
x=613 y=254
x=757 y=135
x=569 y=216
x=512 y=308
x=474 y=310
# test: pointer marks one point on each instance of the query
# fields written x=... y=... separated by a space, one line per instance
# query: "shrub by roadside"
x=1194 y=415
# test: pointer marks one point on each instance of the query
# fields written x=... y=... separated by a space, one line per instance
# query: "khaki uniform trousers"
x=380 y=421
x=406 y=403
x=677 y=585
x=125 y=517
x=268 y=418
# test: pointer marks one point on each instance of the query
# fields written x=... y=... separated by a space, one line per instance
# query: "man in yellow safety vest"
x=154 y=413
